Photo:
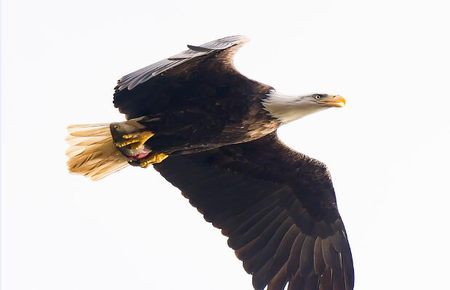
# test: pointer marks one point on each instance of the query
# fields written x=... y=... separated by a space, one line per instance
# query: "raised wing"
x=142 y=75
x=158 y=80
x=278 y=209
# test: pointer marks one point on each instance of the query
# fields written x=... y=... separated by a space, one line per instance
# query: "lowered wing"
x=276 y=206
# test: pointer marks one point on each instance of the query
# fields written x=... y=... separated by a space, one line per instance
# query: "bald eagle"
x=211 y=132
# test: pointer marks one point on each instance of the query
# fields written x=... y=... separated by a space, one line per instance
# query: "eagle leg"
x=152 y=159
x=135 y=140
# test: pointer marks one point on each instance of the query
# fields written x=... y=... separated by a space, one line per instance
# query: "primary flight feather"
x=211 y=132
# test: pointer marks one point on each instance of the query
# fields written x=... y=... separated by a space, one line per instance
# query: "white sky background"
x=388 y=150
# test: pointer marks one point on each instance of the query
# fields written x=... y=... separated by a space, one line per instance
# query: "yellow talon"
x=129 y=136
x=137 y=139
x=125 y=143
x=152 y=159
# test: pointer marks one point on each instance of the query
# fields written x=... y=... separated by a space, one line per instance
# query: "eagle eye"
x=317 y=97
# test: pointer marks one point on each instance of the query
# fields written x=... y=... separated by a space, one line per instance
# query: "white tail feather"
x=92 y=151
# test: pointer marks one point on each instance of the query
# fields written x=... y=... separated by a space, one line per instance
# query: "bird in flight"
x=211 y=132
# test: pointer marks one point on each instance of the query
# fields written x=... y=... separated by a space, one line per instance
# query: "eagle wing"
x=144 y=87
x=276 y=206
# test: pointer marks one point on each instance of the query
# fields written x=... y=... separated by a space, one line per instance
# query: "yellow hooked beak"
x=334 y=101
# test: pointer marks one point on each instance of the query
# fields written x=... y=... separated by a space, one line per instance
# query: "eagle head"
x=289 y=108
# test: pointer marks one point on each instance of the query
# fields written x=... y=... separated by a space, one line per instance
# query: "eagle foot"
x=152 y=159
x=135 y=140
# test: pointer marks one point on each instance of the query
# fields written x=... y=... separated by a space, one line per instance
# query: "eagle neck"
x=283 y=107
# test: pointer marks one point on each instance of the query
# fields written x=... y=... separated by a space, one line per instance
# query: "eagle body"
x=200 y=111
x=211 y=132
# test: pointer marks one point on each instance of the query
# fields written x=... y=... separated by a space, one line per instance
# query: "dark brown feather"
x=280 y=259
x=306 y=262
x=263 y=263
x=294 y=256
x=279 y=280
x=296 y=282
x=319 y=264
